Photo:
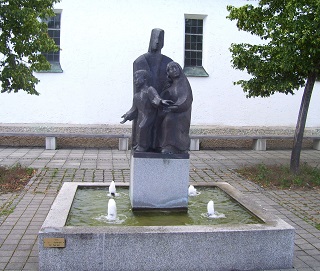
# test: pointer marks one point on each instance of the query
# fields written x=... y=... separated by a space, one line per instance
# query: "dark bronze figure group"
x=162 y=98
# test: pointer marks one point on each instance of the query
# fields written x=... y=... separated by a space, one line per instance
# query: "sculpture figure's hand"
x=172 y=107
x=125 y=118
x=168 y=109
x=167 y=102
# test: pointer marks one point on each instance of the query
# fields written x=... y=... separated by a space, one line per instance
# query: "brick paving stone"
x=30 y=266
x=19 y=259
x=298 y=263
x=5 y=253
x=4 y=259
x=14 y=266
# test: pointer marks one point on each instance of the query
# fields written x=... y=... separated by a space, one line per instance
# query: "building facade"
x=99 y=42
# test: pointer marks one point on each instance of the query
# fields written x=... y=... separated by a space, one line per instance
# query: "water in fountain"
x=192 y=191
x=210 y=208
x=211 y=212
x=112 y=210
x=89 y=208
x=112 y=189
x=112 y=217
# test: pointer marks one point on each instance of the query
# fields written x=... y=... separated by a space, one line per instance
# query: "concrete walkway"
x=26 y=211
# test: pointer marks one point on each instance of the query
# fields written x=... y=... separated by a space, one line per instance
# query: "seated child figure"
x=146 y=100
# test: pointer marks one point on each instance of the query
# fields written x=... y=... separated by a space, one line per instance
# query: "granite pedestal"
x=159 y=181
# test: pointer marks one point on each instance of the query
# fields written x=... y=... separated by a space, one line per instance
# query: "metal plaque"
x=54 y=242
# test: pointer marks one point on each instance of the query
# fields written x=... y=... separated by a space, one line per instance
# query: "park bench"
x=51 y=138
x=259 y=142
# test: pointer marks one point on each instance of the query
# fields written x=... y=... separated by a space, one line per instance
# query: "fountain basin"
x=89 y=209
x=268 y=245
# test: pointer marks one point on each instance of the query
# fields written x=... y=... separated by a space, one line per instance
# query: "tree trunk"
x=301 y=123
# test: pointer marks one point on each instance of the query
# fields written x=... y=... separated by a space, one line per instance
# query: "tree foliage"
x=23 y=35
x=288 y=58
x=290 y=52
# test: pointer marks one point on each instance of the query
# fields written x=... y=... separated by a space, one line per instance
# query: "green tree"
x=23 y=35
x=286 y=60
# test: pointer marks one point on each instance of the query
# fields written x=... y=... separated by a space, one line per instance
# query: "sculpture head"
x=140 y=78
x=173 y=70
x=156 y=40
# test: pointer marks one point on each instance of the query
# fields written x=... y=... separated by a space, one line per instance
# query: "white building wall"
x=101 y=39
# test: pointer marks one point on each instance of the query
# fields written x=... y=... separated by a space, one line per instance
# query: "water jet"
x=192 y=191
x=112 y=189
x=112 y=210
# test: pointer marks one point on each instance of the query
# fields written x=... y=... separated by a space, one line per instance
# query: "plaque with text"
x=54 y=242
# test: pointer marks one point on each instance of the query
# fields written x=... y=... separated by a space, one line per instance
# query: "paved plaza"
x=25 y=211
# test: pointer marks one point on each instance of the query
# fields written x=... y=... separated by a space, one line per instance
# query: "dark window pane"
x=57 y=41
x=50 y=24
x=193 y=42
x=194 y=22
x=50 y=33
x=54 y=33
x=56 y=58
x=193 y=39
x=57 y=21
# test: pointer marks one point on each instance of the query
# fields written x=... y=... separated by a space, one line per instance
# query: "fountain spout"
x=112 y=189
x=112 y=210
x=211 y=212
x=192 y=191
x=210 y=208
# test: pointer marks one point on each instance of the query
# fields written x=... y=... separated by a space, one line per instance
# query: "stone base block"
x=123 y=144
x=194 y=144
x=159 y=181
x=51 y=143
x=316 y=144
x=259 y=144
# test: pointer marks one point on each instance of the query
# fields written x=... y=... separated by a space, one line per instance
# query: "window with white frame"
x=193 y=47
x=54 y=26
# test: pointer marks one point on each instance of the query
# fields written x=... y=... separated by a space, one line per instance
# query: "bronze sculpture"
x=146 y=100
x=155 y=63
x=161 y=110
x=175 y=119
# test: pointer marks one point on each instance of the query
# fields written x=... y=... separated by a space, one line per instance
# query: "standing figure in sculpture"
x=146 y=100
x=175 y=119
x=156 y=64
